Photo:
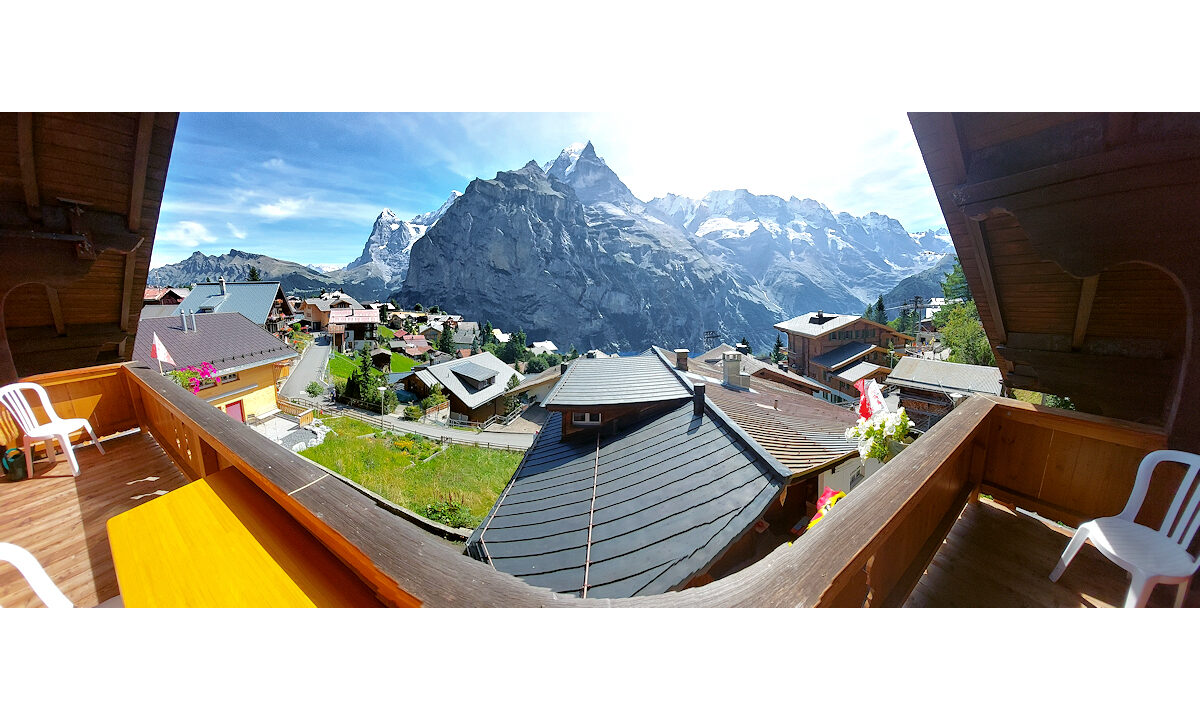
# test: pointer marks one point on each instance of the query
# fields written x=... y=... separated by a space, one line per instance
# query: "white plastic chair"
x=1150 y=555
x=59 y=428
x=35 y=575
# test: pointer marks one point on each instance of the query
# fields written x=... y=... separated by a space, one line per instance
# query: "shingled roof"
x=229 y=341
x=251 y=299
x=616 y=381
x=923 y=374
x=446 y=374
x=639 y=513
x=843 y=355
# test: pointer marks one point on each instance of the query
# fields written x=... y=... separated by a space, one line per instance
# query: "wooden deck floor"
x=995 y=557
x=62 y=519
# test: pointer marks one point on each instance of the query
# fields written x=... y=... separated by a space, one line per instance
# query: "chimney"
x=698 y=399
x=681 y=358
x=562 y=369
x=222 y=281
x=731 y=368
x=820 y=314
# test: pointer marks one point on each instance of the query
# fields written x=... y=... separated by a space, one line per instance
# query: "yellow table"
x=222 y=542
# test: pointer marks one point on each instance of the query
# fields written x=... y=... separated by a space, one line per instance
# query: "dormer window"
x=585 y=418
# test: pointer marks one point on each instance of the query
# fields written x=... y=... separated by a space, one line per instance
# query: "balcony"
x=917 y=534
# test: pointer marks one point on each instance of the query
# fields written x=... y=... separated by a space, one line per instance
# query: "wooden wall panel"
x=1017 y=456
x=27 y=306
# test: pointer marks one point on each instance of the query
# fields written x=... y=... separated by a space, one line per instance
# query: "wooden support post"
x=56 y=310
x=28 y=168
x=1087 y=294
x=141 y=159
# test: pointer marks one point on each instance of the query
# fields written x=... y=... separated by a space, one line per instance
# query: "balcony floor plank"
x=62 y=519
x=995 y=557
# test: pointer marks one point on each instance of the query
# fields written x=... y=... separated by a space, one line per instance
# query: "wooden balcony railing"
x=871 y=550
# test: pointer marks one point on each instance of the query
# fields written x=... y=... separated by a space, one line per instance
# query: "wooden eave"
x=1077 y=235
x=80 y=195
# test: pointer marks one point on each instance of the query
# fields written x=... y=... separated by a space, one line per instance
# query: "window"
x=584 y=418
x=857 y=334
x=833 y=336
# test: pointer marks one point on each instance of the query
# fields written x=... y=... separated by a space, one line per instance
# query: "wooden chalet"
x=839 y=350
x=1042 y=210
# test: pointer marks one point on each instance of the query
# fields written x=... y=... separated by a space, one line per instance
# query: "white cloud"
x=284 y=208
x=239 y=234
x=185 y=234
x=275 y=164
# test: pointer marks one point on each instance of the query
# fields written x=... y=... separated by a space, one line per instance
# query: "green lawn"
x=402 y=362
x=349 y=427
x=386 y=332
x=340 y=365
x=390 y=466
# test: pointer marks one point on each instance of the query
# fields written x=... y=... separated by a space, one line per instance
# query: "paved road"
x=308 y=369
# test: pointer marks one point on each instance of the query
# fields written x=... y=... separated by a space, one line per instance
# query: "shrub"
x=449 y=511
x=314 y=389
x=412 y=412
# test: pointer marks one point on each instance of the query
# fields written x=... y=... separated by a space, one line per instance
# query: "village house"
x=411 y=345
x=543 y=346
x=252 y=363
x=164 y=295
x=316 y=310
x=352 y=329
x=475 y=385
x=648 y=478
x=261 y=302
x=930 y=389
x=535 y=388
x=839 y=350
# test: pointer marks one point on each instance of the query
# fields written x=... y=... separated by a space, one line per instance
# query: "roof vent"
x=222 y=281
x=562 y=369
x=698 y=399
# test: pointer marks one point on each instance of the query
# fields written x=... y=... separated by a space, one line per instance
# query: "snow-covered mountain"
x=776 y=241
x=325 y=267
x=385 y=255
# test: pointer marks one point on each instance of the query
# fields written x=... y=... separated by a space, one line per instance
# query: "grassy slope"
x=473 y=476
x=402 y=362
x=348 y=427
x=340 y=365
x=386 y=332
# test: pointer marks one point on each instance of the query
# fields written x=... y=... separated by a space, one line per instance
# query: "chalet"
x=647 y=479
x=263 y=303
x=352 y=329
x=381 y=359
x=316 y=310
x=1041 y=209
x=410 y=345
x=839 y=350
x=251 y=362
x=474 y=385
x=930 y=389
x=535 y=388
x=466 y=334
x=501 y=337
x=164 y=295
x=543 y=346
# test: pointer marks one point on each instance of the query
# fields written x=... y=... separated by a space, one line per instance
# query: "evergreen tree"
x=253 y=275
x=747 y=344
x=572 y=353
x=417 y=307
x=777 y=354
x=880 y=312
x=955 y=285
x=445 y=341
x=512 y=401
x=475 y=345
x=487 y=331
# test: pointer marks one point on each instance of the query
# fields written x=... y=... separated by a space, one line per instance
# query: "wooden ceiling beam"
x=28 y=167
x=984 y=265
x=127 y=287
x=141 y=158
x=1118 y=129
x=1087 y=294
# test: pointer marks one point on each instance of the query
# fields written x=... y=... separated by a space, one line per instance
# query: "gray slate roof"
x=858 y=371
x=810 y=325
x=322 y=303
x=616 y=381
x=227 y=340
x=251 y=299
x=671 y=494
x=937 y=375
x=839 y=356
x=445 y=375
x=473 y=371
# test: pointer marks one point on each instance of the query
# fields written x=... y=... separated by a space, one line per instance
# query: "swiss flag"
x=159 y=351
x=871 y=398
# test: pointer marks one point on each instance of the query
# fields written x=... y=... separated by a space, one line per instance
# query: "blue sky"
x=308 y=186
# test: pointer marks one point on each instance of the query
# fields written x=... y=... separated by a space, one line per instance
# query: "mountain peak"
x=589 y=151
